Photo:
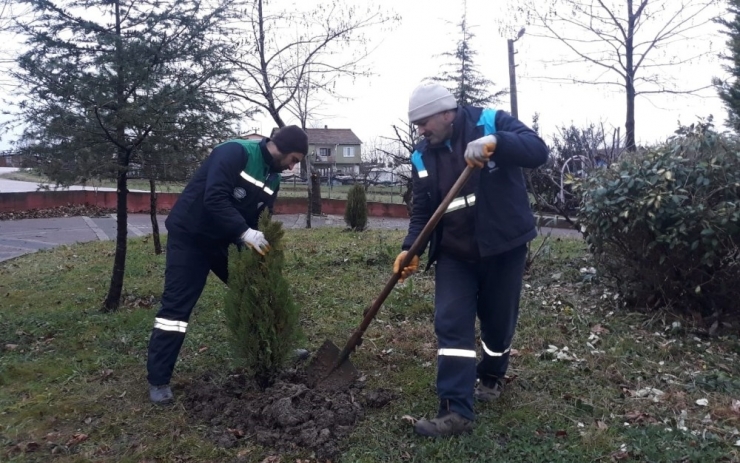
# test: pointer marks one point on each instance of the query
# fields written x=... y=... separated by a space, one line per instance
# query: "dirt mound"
x=286 y=417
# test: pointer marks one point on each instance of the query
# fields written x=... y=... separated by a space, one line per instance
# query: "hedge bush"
x=664 y=224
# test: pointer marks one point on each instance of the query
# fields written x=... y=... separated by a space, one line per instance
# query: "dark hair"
x=291 y=139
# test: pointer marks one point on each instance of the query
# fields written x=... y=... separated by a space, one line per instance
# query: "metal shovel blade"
x=323 y=370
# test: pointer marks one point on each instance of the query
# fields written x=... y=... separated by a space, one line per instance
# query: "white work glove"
x=479 y=151
x=256 y=239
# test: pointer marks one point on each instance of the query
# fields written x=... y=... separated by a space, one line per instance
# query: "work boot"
x=489 y=390
x=161 y=395
x=450 y=424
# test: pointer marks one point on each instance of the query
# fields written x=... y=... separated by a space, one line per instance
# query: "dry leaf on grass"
x=736 y=406
x=76 y=439
x=598 y=329
x=236 y=432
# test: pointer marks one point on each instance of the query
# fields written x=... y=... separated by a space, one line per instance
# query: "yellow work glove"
x=410 y=268
x=479 y=151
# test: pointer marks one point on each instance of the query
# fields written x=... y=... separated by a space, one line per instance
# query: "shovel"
x=330 y=366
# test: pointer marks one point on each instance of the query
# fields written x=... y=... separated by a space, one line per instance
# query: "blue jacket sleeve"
x=227 y=162
x=420 y=211
x=517 y=145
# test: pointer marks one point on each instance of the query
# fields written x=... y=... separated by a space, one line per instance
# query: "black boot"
x=161 y=395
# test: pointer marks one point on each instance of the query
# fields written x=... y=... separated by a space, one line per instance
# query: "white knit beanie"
x=428 y=99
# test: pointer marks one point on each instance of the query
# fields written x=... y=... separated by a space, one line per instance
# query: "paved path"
x=19 y=237
x=16 y=186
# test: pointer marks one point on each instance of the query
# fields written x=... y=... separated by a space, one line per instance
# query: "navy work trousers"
x=188 y=263
x=490 y=289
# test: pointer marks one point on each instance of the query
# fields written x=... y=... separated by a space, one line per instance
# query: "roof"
x=253 y=135
x=327 y=136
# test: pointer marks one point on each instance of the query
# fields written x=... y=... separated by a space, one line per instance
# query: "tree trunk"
x=153 y=215
x=307 y=160
x=630 y=123
x=113 y=299
x=315 y=194
x=408 y=197
x=629 y=51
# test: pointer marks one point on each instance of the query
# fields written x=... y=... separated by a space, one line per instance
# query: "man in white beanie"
x=479 y=247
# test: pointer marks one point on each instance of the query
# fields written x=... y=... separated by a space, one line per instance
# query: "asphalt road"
x=19 y=237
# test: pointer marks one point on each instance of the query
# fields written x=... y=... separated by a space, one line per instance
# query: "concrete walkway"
x=16 y=186
x=19 y=237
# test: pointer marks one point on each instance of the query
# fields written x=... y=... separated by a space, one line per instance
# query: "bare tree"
x=282 y=69
x=632 y=43
x=375 y=151
x=10 y=11
x=275 y=67
x=575 y=152
x=402 y=147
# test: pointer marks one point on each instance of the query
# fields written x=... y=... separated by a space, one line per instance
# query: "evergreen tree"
x=730 y=91
x=101 y=76
x=355 y=214
x=260 y=312
x=462 y=77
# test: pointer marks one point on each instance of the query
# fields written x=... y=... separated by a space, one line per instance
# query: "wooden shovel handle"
x=413 y=250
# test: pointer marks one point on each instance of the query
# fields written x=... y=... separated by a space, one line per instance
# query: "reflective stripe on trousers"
x=170 y=325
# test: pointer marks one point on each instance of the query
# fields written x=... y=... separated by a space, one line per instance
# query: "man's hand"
x=256 y=239
x=479 y=151
x=410 y=268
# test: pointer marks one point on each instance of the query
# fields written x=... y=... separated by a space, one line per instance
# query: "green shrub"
x=260 y=313
x=664 y=225
x=355 y=215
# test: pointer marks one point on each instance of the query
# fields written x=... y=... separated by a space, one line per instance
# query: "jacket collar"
x=266 y=156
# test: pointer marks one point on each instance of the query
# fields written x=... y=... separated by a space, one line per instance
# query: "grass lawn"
x=589 y=382
x=378 y=193
x=28 y=175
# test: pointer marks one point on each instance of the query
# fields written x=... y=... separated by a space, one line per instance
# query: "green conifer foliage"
x=261 y=315
x=355 y=215
x=729 y=89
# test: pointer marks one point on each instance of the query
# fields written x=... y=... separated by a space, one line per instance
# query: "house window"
x=324 y=151
x=348 y=152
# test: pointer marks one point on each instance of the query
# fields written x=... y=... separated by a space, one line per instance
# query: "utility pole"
x=512 y=74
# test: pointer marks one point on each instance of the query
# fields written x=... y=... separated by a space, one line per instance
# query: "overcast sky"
x=406 y=55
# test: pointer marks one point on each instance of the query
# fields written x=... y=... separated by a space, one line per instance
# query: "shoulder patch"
x=418 y=162
x=488 y=121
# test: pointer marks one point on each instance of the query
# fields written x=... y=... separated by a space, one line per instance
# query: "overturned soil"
x=286 y=417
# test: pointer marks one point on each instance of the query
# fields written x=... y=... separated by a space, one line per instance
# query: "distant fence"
x=139 y=202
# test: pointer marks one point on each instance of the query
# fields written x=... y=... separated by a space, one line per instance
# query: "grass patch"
x=29 y=175
x=589 y=382
x=377 y=193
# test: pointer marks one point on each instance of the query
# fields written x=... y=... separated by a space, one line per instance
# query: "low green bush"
x=664 y=224
x=355 y=215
